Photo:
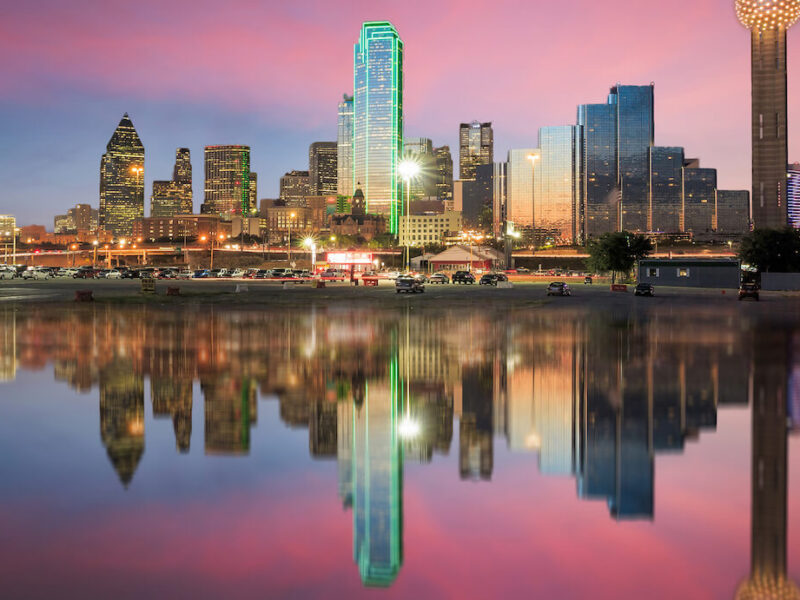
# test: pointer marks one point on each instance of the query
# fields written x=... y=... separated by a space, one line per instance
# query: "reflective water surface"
x=474 y=452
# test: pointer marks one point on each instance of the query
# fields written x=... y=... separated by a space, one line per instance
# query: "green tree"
x=772 y=250
x=617 y=252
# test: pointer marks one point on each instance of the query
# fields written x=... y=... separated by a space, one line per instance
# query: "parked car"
x=558 y=288
x=84 y=273
x=523 y=270
x=200 y=274
x=41 y=273
x=8 y=273
x=440 y=278
x=463 y=277
x=408 y=284
x=261 y=274
x=748 y=290
x=493 y=278
x=588 y=280
x=238 y=273
x=114 y=274
x=644 y=289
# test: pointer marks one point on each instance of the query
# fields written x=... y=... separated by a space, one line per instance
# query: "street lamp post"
x=311 y=244
x=408 y=169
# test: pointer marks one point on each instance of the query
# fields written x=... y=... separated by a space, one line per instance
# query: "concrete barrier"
x=242 y=287
x=504 y=285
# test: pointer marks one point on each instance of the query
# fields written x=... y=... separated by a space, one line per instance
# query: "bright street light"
x=408 y=169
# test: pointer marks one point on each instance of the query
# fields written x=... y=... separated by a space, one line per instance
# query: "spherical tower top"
x=768 y=14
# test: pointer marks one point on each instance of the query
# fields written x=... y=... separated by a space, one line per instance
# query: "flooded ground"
x=476 y=451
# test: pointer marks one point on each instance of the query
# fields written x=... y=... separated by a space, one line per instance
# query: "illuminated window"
x=652 y=272
x=683 y=272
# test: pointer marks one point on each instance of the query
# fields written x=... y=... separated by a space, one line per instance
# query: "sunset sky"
x=270 y=74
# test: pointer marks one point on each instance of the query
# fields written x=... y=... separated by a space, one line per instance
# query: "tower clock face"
x=768 y=14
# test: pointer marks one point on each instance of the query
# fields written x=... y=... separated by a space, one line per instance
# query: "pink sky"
x=278 y=69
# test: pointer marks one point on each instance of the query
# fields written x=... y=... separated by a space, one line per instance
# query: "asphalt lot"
x=524 y=293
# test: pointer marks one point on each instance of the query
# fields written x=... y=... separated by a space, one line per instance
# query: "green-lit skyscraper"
x=378 y=117
x=122 y=180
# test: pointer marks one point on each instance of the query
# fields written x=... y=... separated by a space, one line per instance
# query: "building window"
x=652 y=272
x=683 y=272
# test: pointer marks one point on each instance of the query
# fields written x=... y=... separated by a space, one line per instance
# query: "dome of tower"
x=768 y=14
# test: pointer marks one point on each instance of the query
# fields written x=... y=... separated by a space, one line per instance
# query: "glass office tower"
x=122 y=180
x=378 y=118
x=421 y=150
x=699 y=199
x=599 y=197
x=793 y=194
x=635 y=135
x=476 y=147
x=555 y=186
x=227 y=185
x=733 y=211
x=499 y=193
x=344 y=148
x=519 y=187
x=666 y=166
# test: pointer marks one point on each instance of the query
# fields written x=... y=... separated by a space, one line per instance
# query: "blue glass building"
x=378 y=118
x=598 y=175
x=635 y=135
x=666 y=167
x=699 y=200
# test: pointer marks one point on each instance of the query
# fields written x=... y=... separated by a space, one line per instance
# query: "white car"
x=113 y=274
x=67 y=272
x=8 y=273
x=238 y=273
x=42 y=273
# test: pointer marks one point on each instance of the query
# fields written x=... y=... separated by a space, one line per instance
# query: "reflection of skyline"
x=592 y=398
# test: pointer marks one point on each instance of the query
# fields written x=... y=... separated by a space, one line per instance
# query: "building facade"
x=179 y=227
x=344 y=148
x=699 y=200
x=666 y=191
x=420 y=150
x=444 y=172
x=793 y=194
x=499 y=193
x=378 y=117
x=556 y=194
x=295 y=186
x=476 y=147
x=227 y=181
x=733 y=212
x=322 y=168
x=519 y=187
x=598 y=178
x=419 y=230
x=122 y=180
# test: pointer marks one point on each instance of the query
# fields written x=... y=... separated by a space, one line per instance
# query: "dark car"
x=587 y=280
x=558 y=288
x=492 y=278
x=644 y=289
x=463 y=277
x=441 y=278
x=85 y=273
x=408 y=284
x=748 y=290
x=200 y=274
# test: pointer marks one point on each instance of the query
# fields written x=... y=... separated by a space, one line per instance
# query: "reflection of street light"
x=408 y=428
x=408 y=169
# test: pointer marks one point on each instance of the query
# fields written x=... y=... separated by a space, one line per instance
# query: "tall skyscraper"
x=556 y=198
x=666 y=191
x=295 y=186
x=499 y=192
x=733 y=212
x=476 y=147
x=378 y=117
x=122 y=180
x=174 y=197
x=344 y=148
x=227 y=186
x=598 y=181
x=635 y=135
x=699 y=199
x=444 y=173
x=519 y=187
x=421 y=150
x=768 y=21
x=323 y=169
x=793 y=194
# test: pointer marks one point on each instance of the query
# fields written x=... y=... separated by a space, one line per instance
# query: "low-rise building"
x=461 y=258
x=430 y=228
x=690 y=272
x=179 y=226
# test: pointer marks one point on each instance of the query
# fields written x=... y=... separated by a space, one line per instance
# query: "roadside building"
x=179 y=226
x=460 y=258
x=690 y=272
x=419 y=230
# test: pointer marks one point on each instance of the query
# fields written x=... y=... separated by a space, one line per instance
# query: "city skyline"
x=279 y=142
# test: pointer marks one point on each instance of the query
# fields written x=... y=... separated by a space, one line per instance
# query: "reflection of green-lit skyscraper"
x=378 y=485
x=378 y=117
x=122 y=418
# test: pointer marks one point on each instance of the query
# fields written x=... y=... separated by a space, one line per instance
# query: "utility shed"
x=721 y=273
